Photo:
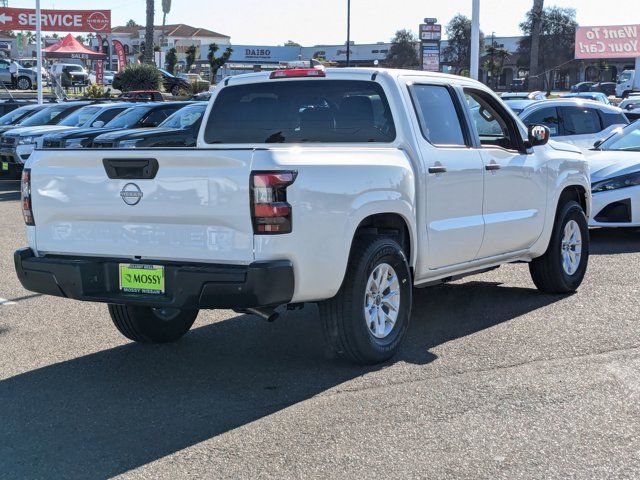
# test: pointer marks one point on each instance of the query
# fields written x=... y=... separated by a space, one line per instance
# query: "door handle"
x=492 y=167
x=438 y=169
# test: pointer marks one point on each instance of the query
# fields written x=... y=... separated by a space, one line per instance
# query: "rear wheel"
x=175 y=90
x=151 y=325
x=368 y=318
x=563 y=266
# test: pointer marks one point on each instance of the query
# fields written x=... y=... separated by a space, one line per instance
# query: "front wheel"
x=24 y=83
x=368 y=318
x=175 y=90
x=151 y=325
x=563 y=266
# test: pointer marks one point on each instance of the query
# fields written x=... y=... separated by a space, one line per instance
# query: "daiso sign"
x=617 y=41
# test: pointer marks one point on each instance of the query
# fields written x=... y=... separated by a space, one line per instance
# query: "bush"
x=141 y=76
x=95 y=91
x=197 y=87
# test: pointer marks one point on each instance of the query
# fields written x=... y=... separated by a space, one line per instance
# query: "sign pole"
x=348 y=33
x=475 y=39
x=39 y=51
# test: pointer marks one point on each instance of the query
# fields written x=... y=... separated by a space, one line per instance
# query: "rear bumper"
x=203 y=286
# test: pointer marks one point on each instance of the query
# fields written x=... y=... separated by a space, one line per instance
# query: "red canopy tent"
x=69 y=47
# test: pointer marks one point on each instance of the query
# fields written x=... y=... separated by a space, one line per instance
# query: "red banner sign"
x=56 y=20
x=614 y=41
x=122 y=59
x=99 y=72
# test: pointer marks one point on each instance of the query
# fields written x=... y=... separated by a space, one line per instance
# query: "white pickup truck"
x=346 y=187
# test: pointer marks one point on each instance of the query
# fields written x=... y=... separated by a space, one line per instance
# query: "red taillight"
x=297 y=72
x=27 y=211
x=270 y=211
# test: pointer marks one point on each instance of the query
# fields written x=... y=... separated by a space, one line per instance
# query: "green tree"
x=148 y=32
x=131 y=23
x=403 y=52
x=190 y=57
x=457 y=53
x=80 y=38
x=215 y=61
x=291 y=43
x=171 y=60
x=494 y=64
x=557 y=41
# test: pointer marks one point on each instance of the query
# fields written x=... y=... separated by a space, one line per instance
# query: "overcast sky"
x=311 y=22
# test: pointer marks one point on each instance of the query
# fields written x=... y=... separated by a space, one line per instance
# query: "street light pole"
x=39 y=51
x=348 y=33
x=475 y=39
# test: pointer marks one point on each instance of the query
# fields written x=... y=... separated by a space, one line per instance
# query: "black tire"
x=547 y=271
x=343 y=316
x=625 y=94
x=175 y=90
x=149 y=325
x=24 y=83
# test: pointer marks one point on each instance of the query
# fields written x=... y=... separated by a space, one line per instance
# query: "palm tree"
x=536 y=26
x=148 y=34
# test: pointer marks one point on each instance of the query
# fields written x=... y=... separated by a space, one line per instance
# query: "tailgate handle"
x=131 y=168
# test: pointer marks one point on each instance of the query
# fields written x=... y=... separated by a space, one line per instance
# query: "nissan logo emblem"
x=131 y=194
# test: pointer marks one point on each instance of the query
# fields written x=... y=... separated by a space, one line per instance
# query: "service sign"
x=617 y=41
x=431 y=57
x=56 y=20
x=430 y=31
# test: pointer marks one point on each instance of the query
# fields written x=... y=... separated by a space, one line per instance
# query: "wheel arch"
x=388 y=223
x=577 y=193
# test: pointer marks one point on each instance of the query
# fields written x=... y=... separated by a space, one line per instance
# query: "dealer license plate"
x=5 y=166
x=143 y=279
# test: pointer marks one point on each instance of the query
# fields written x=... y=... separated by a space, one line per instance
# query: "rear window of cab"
x=301 y=111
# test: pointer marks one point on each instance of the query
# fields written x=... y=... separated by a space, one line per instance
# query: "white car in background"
x=631 y=106
x=615 y=179
x=579 y=122
x=108 y=77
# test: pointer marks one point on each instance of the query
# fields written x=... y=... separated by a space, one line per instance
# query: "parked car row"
x=88 y=124
x=609 y=142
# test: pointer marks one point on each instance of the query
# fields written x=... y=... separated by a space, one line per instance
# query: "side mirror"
x=630 y=106
x=597 y=144
x=538 y=135
x=98 y=124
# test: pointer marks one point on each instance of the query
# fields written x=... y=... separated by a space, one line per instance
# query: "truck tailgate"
x=195 y=208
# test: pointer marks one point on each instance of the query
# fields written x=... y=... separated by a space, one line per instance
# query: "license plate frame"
x=141 y=279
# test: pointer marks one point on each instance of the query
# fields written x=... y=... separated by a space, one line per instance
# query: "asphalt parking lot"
x=496 y=381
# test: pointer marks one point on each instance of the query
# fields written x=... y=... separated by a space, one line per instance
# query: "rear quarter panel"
x=335 y=189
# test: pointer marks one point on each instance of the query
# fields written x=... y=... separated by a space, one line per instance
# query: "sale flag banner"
x=119 y=49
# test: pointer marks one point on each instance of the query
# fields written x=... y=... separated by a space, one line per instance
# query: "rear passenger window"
x=301 y=111
x=158 y=116
x=437 y=114
x=109 y=114
x=609 y=119
x=547 y=117
x=580 y=121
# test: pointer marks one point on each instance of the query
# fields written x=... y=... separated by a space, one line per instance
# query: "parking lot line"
x=13 y=301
